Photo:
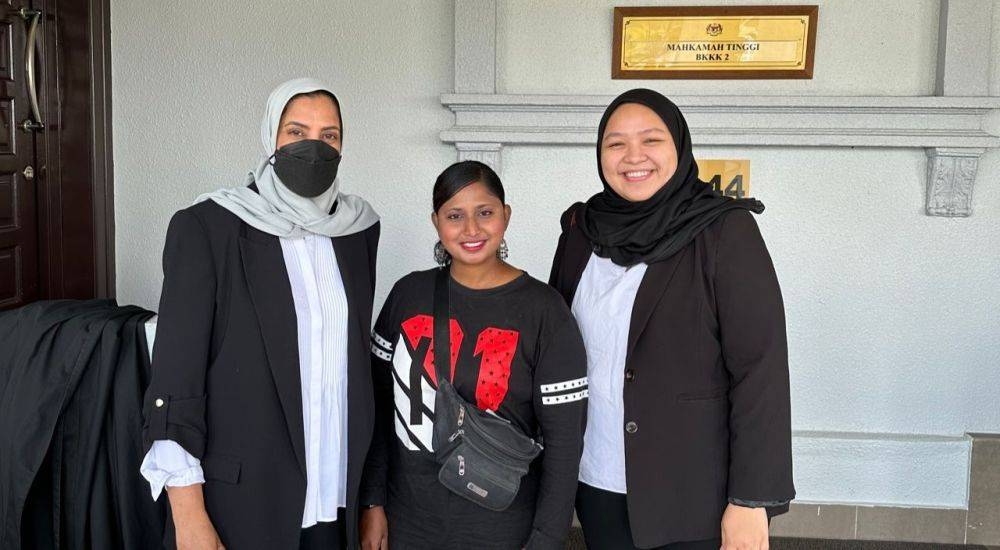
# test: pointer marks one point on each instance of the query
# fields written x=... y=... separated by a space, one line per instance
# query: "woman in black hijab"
x=688 y=439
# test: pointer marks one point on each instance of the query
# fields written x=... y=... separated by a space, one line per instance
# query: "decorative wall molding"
x=784 y=121
x=488 y=153
x=951 y=174
x=949 y=125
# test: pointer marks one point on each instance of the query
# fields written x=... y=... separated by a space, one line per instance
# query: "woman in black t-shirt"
x=516 y=351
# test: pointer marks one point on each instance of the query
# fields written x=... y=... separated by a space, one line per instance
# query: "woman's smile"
x=637 y=176
x=474 y=246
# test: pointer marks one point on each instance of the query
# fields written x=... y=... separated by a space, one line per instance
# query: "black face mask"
x=307 y=167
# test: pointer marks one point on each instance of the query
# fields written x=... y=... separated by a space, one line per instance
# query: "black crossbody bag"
x=483 y=456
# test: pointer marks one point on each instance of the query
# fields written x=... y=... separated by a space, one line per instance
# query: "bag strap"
x=442 y=332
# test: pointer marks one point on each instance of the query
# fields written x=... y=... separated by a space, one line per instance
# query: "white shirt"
x=603 y=310
x=321 y=318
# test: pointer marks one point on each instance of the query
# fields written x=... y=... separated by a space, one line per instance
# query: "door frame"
x=103 y=158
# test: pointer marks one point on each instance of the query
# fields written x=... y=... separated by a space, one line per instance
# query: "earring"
x=502 y=250
x=441 y=255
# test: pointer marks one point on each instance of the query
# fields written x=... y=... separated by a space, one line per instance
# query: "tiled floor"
x=824 y=521
x=817 y=544
x=779 y=543
x=984 y=498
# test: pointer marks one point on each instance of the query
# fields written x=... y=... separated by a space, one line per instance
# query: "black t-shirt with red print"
x=515 y=351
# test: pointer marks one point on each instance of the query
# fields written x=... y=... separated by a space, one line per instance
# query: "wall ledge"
x=755 y=121
x=949 y=125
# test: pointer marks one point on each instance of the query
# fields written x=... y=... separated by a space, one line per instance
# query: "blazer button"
x=630 y=375
x=158 y=403
x=631 y=427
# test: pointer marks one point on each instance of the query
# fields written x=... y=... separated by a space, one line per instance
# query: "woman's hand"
x=192 y=526
x=198 y=534
x=374 y=529
x=744 y=528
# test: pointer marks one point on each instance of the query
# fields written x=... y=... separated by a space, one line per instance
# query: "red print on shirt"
x=497 y=348
x=422 y=326
x=495 y=345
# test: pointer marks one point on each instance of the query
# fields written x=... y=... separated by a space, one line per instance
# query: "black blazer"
x=706 y=380
x=225 y=374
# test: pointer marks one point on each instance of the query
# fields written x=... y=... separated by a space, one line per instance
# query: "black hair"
x=460 y=175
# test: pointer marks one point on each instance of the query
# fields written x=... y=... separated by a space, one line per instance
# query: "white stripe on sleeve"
x=381 y=354
x=563 y=386
x=565 y=398
x=381 y=341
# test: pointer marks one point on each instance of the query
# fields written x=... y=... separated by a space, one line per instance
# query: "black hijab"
x=654 y=229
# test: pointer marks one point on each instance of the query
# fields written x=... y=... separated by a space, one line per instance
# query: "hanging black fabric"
x=654 y=229
x=72 y=376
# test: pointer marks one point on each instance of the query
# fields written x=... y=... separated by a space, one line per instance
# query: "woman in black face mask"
x=259 y=408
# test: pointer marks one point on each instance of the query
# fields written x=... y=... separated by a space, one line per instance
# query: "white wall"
x=190 y=82
x=892 y=315
x=878 y=295
x=560 y=46
x=995 y=52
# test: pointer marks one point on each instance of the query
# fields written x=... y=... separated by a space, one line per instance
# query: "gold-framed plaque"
x=714 y=42
x=730 y=177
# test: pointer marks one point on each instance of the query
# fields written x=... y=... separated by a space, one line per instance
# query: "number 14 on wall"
x=729 y=177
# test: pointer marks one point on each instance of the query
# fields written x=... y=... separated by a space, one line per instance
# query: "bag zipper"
x=499 y=446
x=521 y=471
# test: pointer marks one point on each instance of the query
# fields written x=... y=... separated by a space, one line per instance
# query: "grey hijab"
x=277 y=210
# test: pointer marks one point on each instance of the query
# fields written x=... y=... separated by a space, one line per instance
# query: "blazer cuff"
x=757 y=503
x=372 y=496
x=177 y=419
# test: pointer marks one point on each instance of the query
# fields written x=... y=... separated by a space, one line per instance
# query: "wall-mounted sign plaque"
x=714 y=42
x=731 y=177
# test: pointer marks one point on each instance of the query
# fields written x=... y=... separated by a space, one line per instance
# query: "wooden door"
x=56 y=207
x=19 y=253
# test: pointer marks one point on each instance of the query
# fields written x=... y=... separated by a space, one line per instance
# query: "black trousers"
x=604 y=518
x=328 y=535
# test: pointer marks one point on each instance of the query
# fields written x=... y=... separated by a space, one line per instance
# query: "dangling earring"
x=502 y=250
x=441 y=255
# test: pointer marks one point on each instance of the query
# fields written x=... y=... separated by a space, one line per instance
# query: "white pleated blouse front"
x=321 y=314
